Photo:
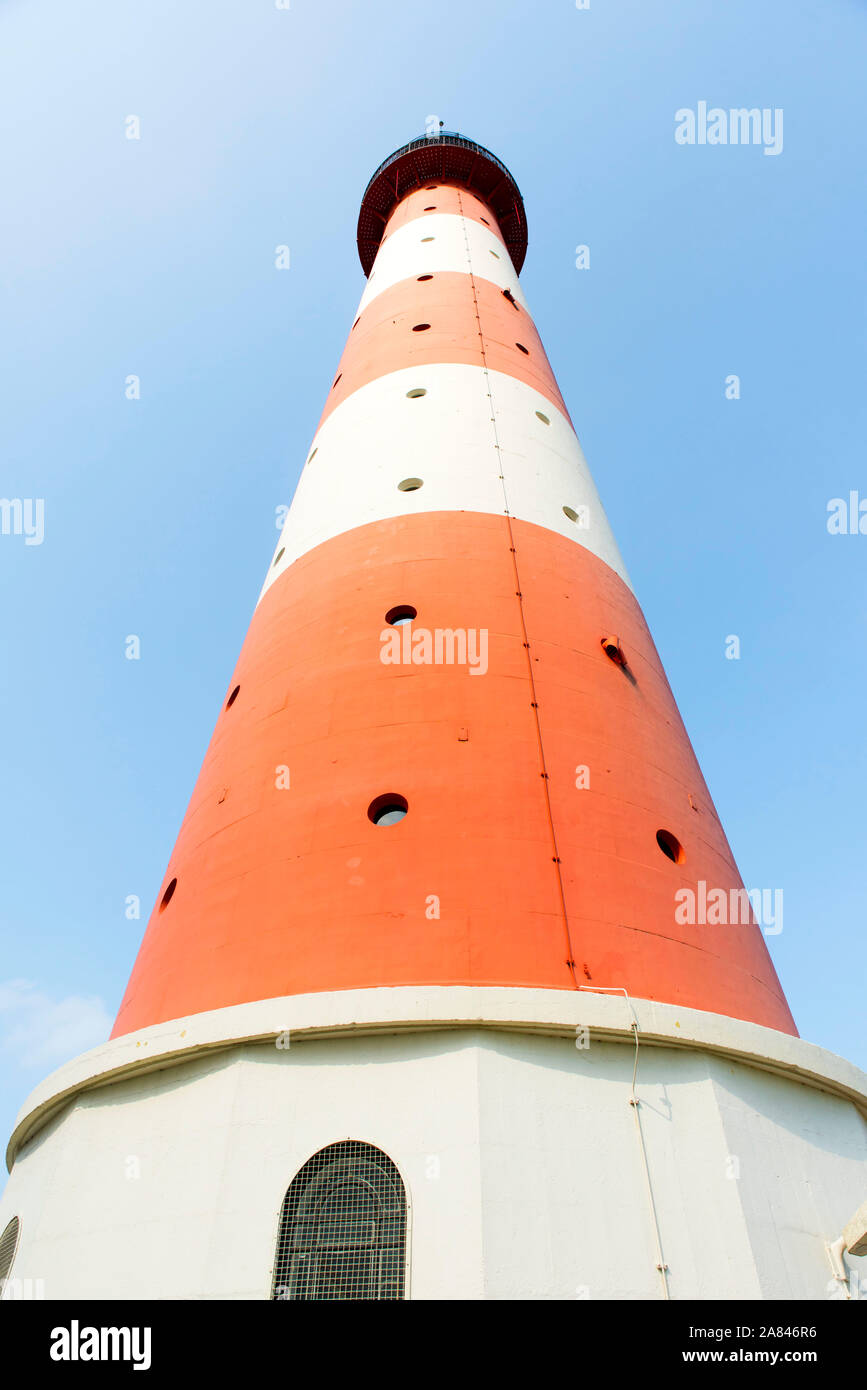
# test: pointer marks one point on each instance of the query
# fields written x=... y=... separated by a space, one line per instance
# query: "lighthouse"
x=452 y=988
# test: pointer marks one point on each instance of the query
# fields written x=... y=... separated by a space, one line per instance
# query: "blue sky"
x=260 y=127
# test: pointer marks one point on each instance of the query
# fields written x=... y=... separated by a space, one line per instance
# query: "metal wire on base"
x=342 y=1228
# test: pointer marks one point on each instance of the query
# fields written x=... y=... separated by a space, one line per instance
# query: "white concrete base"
x=155 y=1169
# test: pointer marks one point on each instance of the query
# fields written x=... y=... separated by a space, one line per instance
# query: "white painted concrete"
x=518 y=1151
x=458 y=245
x=423 y=1007
x=377 y=437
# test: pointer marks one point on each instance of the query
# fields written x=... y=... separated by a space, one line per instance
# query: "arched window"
x=8 y=1246
x=343 y=1228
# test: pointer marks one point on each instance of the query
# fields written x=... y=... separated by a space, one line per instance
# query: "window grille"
x=8 y=1246
x=342 y=1228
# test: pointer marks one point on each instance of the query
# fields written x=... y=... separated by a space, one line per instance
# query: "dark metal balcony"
x=450 y=158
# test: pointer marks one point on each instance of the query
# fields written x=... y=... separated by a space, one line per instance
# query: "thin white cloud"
x=38 y=1031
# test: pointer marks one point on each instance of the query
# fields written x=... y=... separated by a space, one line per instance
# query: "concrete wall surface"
x=519 y=1152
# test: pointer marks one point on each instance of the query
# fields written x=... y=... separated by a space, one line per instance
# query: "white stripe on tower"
x=384 y=433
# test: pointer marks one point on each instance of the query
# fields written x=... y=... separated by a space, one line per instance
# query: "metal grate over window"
x=8 y=1246
x=342 y=1228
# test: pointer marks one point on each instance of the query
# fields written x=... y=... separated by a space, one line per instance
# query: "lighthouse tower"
x=452 y=988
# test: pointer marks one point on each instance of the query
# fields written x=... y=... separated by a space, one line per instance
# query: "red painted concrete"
x=295 y=890
x=447 y=198
x=470 y=322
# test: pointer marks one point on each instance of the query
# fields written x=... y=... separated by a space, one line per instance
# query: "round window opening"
x=420 y=327
x=670 y=846
x=425 y=277
x=521 y=348
x=613 y=650
x=279 y=556
x=234 y=695
x=427 y=238
x=387 y=809
x=432 y=208
x=168 y=895
x=416 y=391
x=543 y=418
x=401 y=615
x=410 y=485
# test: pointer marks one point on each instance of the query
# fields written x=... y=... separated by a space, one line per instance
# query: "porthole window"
x=543 y=418
x=432 y=208
x=401 y=615
x=279 y=556
x=430 y=187
x=336 y=379
x=571 y=513
x=613 y=650
x=521 y=348
x=670 y=846
x=313 y=455
x=420 y=327
x=495 y=256
x=427 y=238
x=8 y=1247
x=234 y=695
x=416 y=391
x=387 y=809
x=410 y=485
x=168 y=895
x=424 y=277
x=485 y=220
x=357 y=322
